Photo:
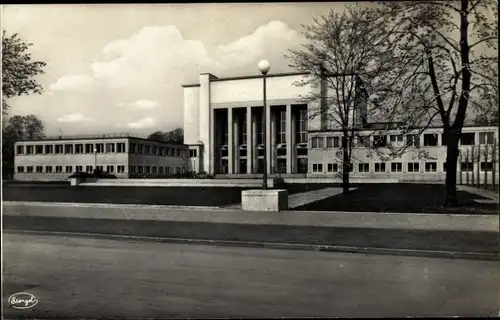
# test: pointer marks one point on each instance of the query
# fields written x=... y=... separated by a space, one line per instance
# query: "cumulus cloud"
x=74 y=82
x=142 y=123
x=139 y=104
x=74 y=117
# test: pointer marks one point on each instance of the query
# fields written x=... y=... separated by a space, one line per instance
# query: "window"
x=155 y=150
x=317 y=167
x=99 y=147
x=69 y=169
x=317 y=142
x=177 y=152
x=20 y=169
x=396 y=167
x=412 y=140
x=79 y=148
x=444 y=166
x=364 y=141
x=29 y=150
x=133 y=148
x=29 y=169
x=282 y=127
x=380 y=141
x=89 y=148
x=59 y=148
x=468 y=139
x=120 y=169
x=163 y=151
x=396 y=140
x=110 y=169
x=58 y=169
x=148 y=169
x=301 y=123
x=78 y=169
x=332 y=167
x=132 y=169
x=486 y=166
x=380 y=167
x=39 y=149
x=193 y=153
x=486 y=137
x=430 y=139
x=413 y=167
x=120 y=147
x=160 y=170
x=142 y=149
x=110 y=147
x=155 y=170
x=39 y=169
x=364 y=167
x=89 y=169
x=68 y=148
x=48 y=169
x=100 y=168
x=49 y=149
x=20 y=150
x=148 y=149
x=242 y=137
x=332 y=142
x=430 y=167
x=467 y=166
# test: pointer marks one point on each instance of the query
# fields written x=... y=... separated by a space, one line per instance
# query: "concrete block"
x=75 y=181
x=271 y=200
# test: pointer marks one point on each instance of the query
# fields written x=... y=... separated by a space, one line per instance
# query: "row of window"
x=429 y=139
x=109 y=168
x=398 y=167
x=81 y=148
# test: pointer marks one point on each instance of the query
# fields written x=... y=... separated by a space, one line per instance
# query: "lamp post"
x=264 y=67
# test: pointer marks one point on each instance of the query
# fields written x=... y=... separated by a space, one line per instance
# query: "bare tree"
x=444 y=49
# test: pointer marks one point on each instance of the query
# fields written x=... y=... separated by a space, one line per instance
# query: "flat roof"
x=285 y=74
x=108 y=136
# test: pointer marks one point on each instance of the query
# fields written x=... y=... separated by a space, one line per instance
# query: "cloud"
x=75 y=117
x=142 y=123
x=75 y=82
x=139 y=104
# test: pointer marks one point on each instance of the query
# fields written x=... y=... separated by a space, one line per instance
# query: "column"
x=230 y=144
x=268 y=138
x=249 y=141
x=236 y=143
x=272 y=161
x=254 y=143
x=288 y=138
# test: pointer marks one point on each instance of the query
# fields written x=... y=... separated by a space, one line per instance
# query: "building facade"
x=223 y=127
x=125 y=156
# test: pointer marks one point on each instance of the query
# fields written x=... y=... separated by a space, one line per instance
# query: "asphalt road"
x=88 y=278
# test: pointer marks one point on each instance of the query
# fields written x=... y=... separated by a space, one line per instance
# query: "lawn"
x=401 y=197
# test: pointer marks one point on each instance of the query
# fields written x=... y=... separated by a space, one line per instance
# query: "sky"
x=119 y=68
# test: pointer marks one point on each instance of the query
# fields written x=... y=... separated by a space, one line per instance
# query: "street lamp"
x=264 y=67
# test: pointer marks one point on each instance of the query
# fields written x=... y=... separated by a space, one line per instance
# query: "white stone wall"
x=191 y=115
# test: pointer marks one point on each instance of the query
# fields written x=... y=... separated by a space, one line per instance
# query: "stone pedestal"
x=272 y=200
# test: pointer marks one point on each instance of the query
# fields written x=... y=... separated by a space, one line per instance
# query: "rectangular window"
x=413 y=167
x=332 y=142
x=58 y=169
x=68 y=148
x=163 y=151
x=301 y=125
x=468 y=139
x=467 y=166
x=148 y=149
x=193 y=153
x=413 y=140
x=79 y=148
x=155 y=170
x=48 y=169
x=39 y=149
x=110 y=169
x=142 y=149
x=486 y=166
x=364 y=141
x=29 y=169
x=79 y=169
x=133 y=169
x=69 y=169
x=281 y=130
x=486 y=137
x=29 y=150
x=160 y=170
x=133 y=148
x=430 y=167
x=110 y=147
x=120 y=169
x=379 y=141
x=396 y=167
x=20 y=169
x=89 y=148
x=317 y=142
x=20 y=150
x=363 y=167
x=39 y=169
x=317 y=167
x=59 y=148
x=49 y=149
x=100 y=168
x=430 y=139
x=148 y=169
x=155 y=150
x=380 y=167
x=332 y=167
x=120 y=147
x=177 y=152
x=89 y=169
x=396 y=140
x=99 y=147
x=242 y=138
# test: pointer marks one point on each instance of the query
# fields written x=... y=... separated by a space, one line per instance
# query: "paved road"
x=90 y=278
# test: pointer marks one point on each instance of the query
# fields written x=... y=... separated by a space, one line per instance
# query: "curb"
x=277 y=246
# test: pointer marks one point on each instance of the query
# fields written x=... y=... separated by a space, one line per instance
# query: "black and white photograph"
x=250 y=160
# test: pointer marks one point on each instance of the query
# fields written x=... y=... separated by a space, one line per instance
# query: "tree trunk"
x=345 y=166
x=451 y=168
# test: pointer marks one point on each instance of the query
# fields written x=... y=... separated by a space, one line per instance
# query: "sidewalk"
x=492 y=195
